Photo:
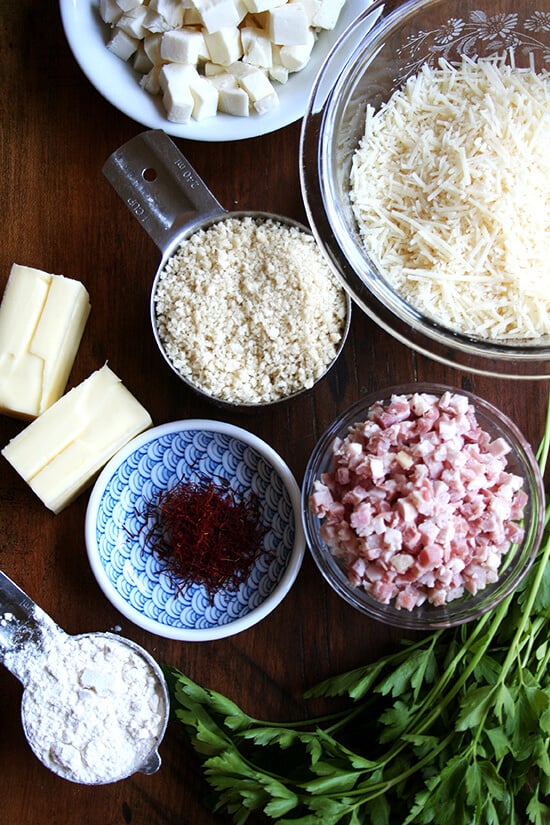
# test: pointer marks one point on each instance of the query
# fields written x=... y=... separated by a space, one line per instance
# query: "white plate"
x=119 y=83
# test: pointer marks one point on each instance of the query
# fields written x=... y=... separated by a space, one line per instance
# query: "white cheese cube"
x=220 y=14
x=171 y=10
x=151 y=46
x=178 y=104
x=224 y=46
x=183 y=46
x=176 y=75
x=61 y=451
x=327 y=15
x=266 y=104
x=311 y=8
x=255 y=6
x=295 y=58
x=205 y=99
x=134 y=23
x=234 y=101
x=150 y=81
x=128 y=5
x=239 y=69
x=141 y=61
x=213 y=69
x=122 y=45
x=256 y=84
x=191 y=17
x=223 y=80
x=288 y=25
x=256 y=47
x=156 y=23
x=109 y=11
x=42 y=319
x=277 y=71
x=174 y=81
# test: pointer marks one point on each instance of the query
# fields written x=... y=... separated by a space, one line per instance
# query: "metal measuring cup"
x=171 y=202
x=25 y=627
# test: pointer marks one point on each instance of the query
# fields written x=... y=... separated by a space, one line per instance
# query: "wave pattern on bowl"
x=133 y=571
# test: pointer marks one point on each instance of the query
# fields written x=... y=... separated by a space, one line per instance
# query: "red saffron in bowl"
x=205 y=533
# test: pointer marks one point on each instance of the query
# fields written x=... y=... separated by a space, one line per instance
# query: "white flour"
x=92 y=707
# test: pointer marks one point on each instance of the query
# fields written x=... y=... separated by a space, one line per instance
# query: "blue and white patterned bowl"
x=136 y=583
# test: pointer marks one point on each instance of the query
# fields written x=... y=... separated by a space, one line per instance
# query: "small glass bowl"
x=387 y=43
x=515 y=563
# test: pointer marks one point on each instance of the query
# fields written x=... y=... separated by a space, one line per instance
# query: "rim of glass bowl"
x=322 y=151
x=514 y=566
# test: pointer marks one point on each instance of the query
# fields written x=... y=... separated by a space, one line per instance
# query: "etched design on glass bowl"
x=478 y=34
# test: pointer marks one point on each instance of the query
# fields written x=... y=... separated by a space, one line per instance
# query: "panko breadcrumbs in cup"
x=248 y=311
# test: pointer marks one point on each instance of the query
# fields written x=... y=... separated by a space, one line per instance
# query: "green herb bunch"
x=452 y=729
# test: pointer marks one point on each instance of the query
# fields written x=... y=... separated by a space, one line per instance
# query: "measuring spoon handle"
x=159 y=186
x=22 y=622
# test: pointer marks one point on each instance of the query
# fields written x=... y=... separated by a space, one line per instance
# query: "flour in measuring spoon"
x=92 y=707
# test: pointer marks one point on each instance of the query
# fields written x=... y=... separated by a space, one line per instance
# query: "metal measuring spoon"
x=27 y=631
x=171 y=202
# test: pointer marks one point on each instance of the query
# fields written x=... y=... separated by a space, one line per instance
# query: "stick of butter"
x=59 y=453
x=42 y=319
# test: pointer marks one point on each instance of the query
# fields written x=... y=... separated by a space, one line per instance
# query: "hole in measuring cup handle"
x=159 y=186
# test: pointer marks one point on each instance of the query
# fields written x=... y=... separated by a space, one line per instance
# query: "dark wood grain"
x=59 y=214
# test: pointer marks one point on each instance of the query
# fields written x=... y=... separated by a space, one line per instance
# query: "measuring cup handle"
x=159 y=187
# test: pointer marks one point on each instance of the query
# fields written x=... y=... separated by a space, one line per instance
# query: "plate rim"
x=241 y=623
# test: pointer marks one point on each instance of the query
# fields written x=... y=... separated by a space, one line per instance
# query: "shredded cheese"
x=450 y=187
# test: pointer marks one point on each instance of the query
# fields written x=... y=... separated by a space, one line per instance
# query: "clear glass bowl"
x=515 y=563
x=384 y=46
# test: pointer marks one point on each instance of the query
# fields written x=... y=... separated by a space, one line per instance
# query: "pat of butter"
x=42 y=319
x=59 y=453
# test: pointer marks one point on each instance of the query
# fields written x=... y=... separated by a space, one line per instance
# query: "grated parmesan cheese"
x=249 y=312
x=450 y=187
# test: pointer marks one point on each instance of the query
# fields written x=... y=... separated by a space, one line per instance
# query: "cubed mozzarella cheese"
x=109 y=11
x=266 y=104
x=256 y=6
x=151 y=45
x=141 y=61
x=122 y=45
x=128 y=5
x=234 y=101
x=295 y=58
x=176 y=75
x=150 y=81
x=256 y=84
x=224 y=46
x=219 y=14
x=171 y=10
x=134 y=23
x=311 y=8
x=288 y=25
x=205 y=98
x=327 y=15
x=183 y=46
x=256 y=47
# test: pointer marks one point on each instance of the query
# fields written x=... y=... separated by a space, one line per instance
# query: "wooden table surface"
x=59 y=214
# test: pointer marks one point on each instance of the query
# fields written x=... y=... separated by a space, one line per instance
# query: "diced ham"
x=419 y=505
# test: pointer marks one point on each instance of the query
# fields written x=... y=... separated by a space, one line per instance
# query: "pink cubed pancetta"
x=419 y=504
